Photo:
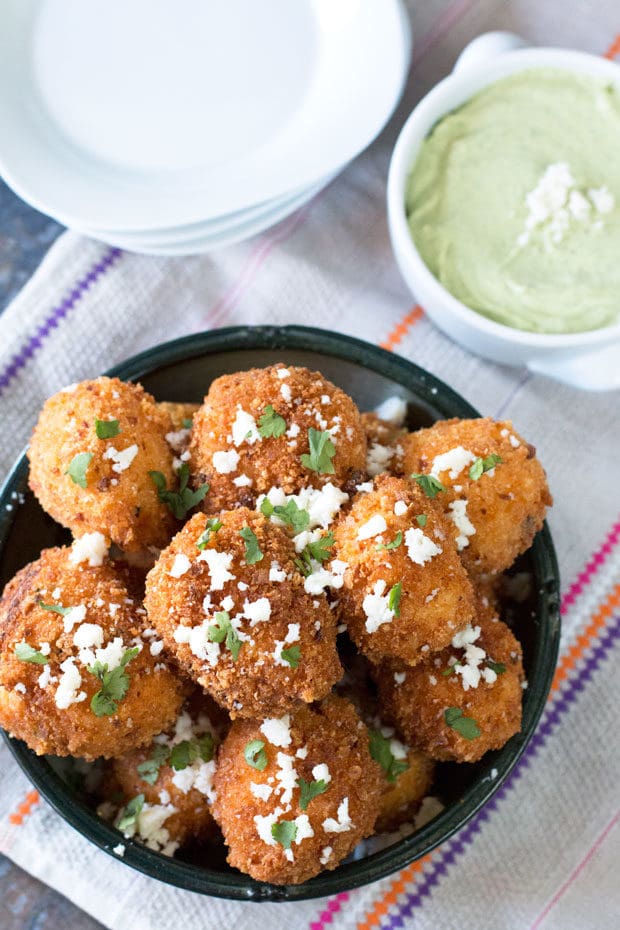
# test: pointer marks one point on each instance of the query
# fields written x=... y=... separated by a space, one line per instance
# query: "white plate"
x=208 y=241
x=148 y=113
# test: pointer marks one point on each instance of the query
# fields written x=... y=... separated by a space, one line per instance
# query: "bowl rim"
x=378 y=865
x=436 y=104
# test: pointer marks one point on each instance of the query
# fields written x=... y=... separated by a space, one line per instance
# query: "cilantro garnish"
x=394 y=598
x=131 y=813
x=381 y=751
x=289 y=513
x=114 y=684
x=78 y=466
x=317 y=551
x=396 y=542
x=255 y=755
x=431 y=486
x=465 y=726
x=421 y=519
x=56 y=608
x=213 y=526
x=498 y=667
x=188 y=422
x=322 y=451
x=188 y=751
x=310 y=790
x=149 y=769
x=271 y=423
x=26 y=653
x=284 y=832
x=253 y=553
x=292 y=656
x=451 y=669
x=481 y=465
x=180 y=502
x=222 y=631
x=106 y=429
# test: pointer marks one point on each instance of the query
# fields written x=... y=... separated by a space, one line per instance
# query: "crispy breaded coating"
x=236 y=615
x=180 y=415
x=269 y=834
x=175 y=775
x=402 y=797
x=118 y=497
x=410 y=599
x=429 y=703
x=46 y=695
x=230 y=451
x=496 y=515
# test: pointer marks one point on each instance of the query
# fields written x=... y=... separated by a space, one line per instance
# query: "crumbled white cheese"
x=453 y=461
x=262 y=792
x=244 y=428
x=277 y=730
x=75 y=615
x=344 y=821
x=304 y=829
x=364 y=487
x=321 y=578
x=180 y=565
x=178 y=440
x=285 y=391
x=420 y=548
x=68 y=692
x=91 y=548
x=243 y=481
x=119 y=849
x=399 y=677
x=219 y=564
x=20 y=687
x=376 y=607
x=326 y=854
x=87 y=636
x=283 y=373
x=468 y=667
x=375 y=525
x=264 y=823
x=197 y=638
x=392 y=410
x=276 y=573
x=197 y=776
x=378 y=458
x=458 y=515
x=122 y=459
x=400 y=508
x=286 y=776
x=293 y=633
x=320 y=772
x=225 y=462
x=257 y=611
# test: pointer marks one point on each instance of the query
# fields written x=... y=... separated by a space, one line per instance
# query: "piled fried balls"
x=270 y=519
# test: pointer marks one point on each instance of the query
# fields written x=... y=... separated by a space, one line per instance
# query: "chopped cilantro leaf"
x=381 y=751
x=222 y=631
x=284 y=832
x=310 y=790
x=188 y=751
x=465 y=726
x=431 y=486
x=322 y=451
x=421 y=519
x=188 y=422
x=255 y=755
x=114 y=684
x=396 y=542
x=106 y=429
x=292 y=656
x=253 y=552
x=78 y=466
x=481 y=465
x=149 y=769
x=451 y=669
x=498 y=667
x=289 y=513
x=213 y=526
x=317 y=551
x=56 y=608
x=180 y=502
x=394 y=598
x=131 y=813
x=26 y=653
x=271 y=423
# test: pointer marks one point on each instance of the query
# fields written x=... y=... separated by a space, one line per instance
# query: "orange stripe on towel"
x=31 y=799
x=400 y=884
x=402 y=328
x=614 y=48
x=584 y=640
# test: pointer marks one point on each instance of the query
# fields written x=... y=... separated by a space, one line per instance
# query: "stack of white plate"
x=180 y=126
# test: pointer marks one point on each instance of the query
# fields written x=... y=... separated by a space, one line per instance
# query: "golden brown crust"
x=416 y=699
x=506 y=507
x=436 y=597
x=28 y=708
x=401 y=799
x=332 y=734
x=274 y=461
x=257 y=683
x=178 y=414
x=123 y=505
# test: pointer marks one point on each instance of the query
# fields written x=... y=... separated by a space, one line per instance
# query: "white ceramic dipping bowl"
x=589 y=360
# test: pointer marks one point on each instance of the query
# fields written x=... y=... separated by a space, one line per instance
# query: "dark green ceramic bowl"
x=182 y=371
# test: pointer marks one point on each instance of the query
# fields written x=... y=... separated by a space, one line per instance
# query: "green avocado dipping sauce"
x=514 y=202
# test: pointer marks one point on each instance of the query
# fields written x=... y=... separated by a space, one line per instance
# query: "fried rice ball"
x=237 y=618
x=58 y=619
x=91 y=484
x=405 y=592
x=254 y=429
x=463 y=701
x=496 y=513
x=273 y=831
x=174 y=776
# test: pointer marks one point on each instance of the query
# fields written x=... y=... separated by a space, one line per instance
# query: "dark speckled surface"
x=25 y=236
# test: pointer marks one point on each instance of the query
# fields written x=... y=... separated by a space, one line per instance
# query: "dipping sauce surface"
x=514 y=202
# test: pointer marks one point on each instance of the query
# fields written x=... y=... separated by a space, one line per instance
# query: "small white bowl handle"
x=487 y=46
x=594 y=371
